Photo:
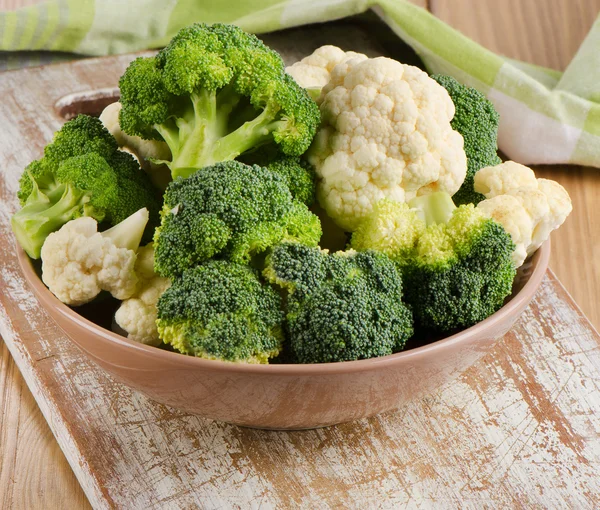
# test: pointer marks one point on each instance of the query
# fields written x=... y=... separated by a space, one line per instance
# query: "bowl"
x=289 y=396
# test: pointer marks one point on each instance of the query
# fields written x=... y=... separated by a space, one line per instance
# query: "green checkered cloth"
x=546 y=116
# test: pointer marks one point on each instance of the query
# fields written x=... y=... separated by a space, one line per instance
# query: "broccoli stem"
x=128 y=234
x=201 y=136
x=40 y=217
x=433 y=208
x=250 y=134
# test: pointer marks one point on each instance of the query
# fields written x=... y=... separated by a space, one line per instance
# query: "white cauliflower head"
x=514 y=197
x=313 y=72
x=385 y=134
x=78 y=261
x=137 y=315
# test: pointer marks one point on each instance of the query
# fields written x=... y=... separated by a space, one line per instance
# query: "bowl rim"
x=522 y=298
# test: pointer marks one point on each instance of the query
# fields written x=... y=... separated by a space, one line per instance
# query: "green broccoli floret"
x=82 y=173
x=212 y=94
x=456 y=262
x=476 y=119
x=298 y=174
x=220 y=310
x=340 y=307
x=229 y=209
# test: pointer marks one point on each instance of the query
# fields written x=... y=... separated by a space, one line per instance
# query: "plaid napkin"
x=546 y=116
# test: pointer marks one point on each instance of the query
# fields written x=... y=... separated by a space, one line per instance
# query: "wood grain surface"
x=35 y=474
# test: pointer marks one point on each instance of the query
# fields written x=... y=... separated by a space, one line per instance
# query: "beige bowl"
x=289 y=396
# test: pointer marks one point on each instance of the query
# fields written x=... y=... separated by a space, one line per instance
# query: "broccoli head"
x=213 y=93
x=220 y=310
x=456 y=262
x=232 y=210
x=340 y=307
x=476 y=119
x=82 y=173
x=298 y=174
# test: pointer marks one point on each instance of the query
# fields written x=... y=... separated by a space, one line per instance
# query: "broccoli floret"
x=340 y=307
x=229 y=209
x=212 y=94
x=476 y=119
x=221 y=310
x=82 y=173
x=456 y=262
x=298 y=174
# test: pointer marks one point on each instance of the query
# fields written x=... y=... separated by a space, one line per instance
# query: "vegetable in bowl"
x=82 y=173
x=213 y=93
x=456 y=262
x=248 y=176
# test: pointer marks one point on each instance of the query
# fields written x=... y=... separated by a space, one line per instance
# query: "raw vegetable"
x=229 y=209
x=137 y=314
x=314 y=71
x=476 y=119
x=82 y=173
x=213 y=93
x=386 y=133
x=456 y=262
x=528 y=208
x=238 y=269
x=221 y=310
x=78 y=261
x=297 y=173
x=340 y=307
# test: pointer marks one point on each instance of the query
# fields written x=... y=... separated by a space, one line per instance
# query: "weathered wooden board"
x=519 y=429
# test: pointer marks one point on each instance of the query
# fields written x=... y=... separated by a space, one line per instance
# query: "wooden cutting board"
x=521 y=428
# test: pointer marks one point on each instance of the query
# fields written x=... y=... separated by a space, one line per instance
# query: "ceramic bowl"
x=290 y=396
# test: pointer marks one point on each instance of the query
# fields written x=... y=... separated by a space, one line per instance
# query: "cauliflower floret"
x=137 y=315
x=313 y=72
x=508 y=211
x=560 y=206
x=386 y=134
x=78 y=261
x=497 y=180
x=515 y=197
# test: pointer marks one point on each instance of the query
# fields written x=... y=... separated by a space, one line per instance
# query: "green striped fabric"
x=546 y=116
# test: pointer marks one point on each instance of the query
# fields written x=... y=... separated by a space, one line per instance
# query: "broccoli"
x=221 y=310
x=299 y=174
x=232 y=210
x=82 y=173
x=213 y=93
x=476 y=119
x=340 y=307
x=456 y=262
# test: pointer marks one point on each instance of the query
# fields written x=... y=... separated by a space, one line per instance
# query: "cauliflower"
x=510 y=213
x=137 y=315
x=145 y=151
x=313 y=72
x=528 y=208
x=499 y=179
x=385 y=133
x=78 y=261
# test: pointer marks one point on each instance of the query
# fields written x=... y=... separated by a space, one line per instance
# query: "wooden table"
x=33 y=471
